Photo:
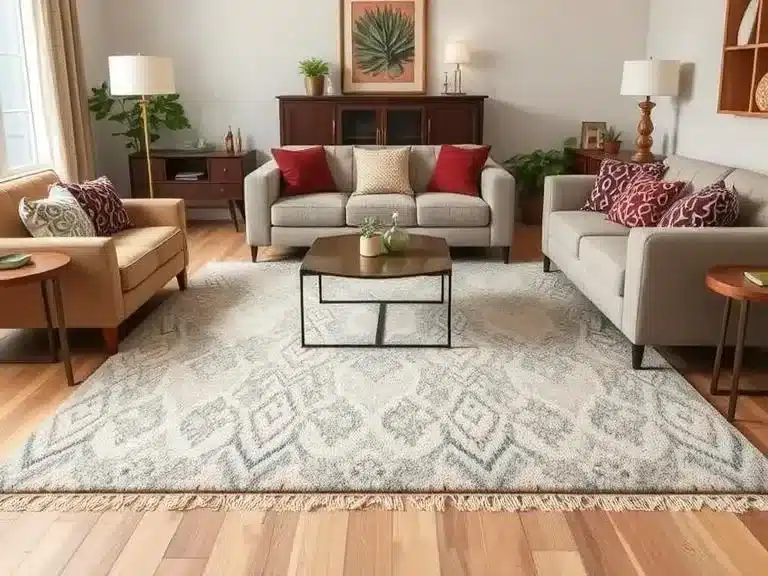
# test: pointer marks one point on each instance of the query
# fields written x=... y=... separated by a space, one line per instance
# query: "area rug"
x=213 y=402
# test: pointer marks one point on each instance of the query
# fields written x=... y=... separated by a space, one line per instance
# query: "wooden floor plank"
x=369 y=538
x=414 y=544
x=25 y=535
x=196 y=534
x=558 y=563
x=731 y=541
x=320 y=544
x=505 y=545
x=547 y=531
x=145 y=548
x=274 y=555
x=599 y=545
x=236 y=545
x=181 y=567
x=104 y=543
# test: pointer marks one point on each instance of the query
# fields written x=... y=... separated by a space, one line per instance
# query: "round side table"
x=729 y=281
x=46 y=268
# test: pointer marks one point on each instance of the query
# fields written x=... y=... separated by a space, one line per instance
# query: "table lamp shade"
x=141 y=76
x=456 y=53
x=651 y=78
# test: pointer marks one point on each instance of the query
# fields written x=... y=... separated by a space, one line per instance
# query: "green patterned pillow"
x=59 y=215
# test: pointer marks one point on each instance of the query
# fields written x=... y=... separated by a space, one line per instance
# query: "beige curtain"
x=64 y=90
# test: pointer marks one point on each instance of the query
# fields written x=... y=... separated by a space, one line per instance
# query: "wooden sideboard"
x=221 y=180
x=399 y=120
x=588 y=161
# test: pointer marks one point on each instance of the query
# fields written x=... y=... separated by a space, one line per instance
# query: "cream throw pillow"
x=59 y=215
x=383 y=171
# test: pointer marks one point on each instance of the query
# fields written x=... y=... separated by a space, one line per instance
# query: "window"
x=22 y=138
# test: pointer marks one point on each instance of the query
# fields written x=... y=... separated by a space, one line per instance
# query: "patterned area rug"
x=213 y=393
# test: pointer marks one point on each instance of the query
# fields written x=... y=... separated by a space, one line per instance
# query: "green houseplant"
x=314 y=71
x=371 y=242
x=612 y=141
x=164 y=112
x=529 y=171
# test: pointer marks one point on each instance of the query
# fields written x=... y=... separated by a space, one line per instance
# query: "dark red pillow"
x=101 y=202
x=458 y=170
x=715 y=205
x=613 y=179
x=304 y=171
x=646 y=200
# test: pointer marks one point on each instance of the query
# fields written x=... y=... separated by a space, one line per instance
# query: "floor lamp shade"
x=141 y=76
x=651 y=78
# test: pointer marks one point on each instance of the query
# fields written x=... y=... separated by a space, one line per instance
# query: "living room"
x=255 y=366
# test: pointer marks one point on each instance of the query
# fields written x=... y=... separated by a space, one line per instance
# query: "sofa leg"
x=547 y=264
x=254 y=253
x=111 y=340
x=182 y=278
x=638 y=352
x=508 y=254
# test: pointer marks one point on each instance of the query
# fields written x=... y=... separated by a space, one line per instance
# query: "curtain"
x=64 y=90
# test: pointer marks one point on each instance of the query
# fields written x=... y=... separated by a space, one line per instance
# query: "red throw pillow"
x=613 y=179
x=646 y=200
x=458 y=170
x=101 y=202
x=304 y=171
x=715 y=205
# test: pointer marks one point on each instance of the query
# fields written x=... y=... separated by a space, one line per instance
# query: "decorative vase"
x=229 y=142
x=612 y=147
x=239 y=142
x=315 y=86
x=761 y=94
x=396 y=239
x=748 y=22
x=371 y=247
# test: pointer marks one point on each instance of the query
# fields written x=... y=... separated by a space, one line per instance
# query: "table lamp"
x=456 y=53
x=649 y=78
x=142 y=76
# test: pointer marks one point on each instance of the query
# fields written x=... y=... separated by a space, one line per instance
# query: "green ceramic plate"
x=12 y=261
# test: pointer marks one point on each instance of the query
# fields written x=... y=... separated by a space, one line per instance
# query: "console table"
x=588 y=161
x=221 y=178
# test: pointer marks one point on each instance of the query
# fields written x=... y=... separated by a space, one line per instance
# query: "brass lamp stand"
x=144 y=103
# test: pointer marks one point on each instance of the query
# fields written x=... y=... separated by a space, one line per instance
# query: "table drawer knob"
x=226 y=170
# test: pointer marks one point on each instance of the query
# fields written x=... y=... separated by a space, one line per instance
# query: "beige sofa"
x=650 y=282
x=109 y=278
x=487 y=220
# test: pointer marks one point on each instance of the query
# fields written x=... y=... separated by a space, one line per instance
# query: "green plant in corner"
x=530 y=170
x=370 y=226
x=385 y=41
x=314 y=68
x=164 y=112
x=612 y=135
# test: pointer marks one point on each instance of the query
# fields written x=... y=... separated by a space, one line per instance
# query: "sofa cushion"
x=384 y=171
x=697 y=173
x=444 y=210
x=605 y=259
x=716 y=205
x=100 y=201
x=58 y=216
x=752 y=190
x=308 y=210
x=381 y=206
x=646 y=200
x=304 y=171
x=458 y=170
x=141 y=251
x=569 y=227
x=612 y=182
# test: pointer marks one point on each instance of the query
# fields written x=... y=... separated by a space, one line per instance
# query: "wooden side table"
x=729 y=281
x=589 y=161
x=46 y=268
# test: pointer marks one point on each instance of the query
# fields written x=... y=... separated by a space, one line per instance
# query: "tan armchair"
x=109 y=278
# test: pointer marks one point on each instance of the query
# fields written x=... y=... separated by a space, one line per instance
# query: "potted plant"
x=529 y=171
x=612 y=141
x=314 y=71
x=371 y=242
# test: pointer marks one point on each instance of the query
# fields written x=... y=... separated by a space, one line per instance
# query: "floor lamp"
x=142 y=76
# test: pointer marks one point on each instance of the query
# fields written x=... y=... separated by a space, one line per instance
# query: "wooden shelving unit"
x=743 y=66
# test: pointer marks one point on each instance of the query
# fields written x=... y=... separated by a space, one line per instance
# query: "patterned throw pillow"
x=715 y=205
x=646 y=200
x=613 y=179
x=102 y=204
x=59 y=215
x=383 y=171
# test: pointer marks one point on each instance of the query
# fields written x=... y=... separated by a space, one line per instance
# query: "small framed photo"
x=592 y=135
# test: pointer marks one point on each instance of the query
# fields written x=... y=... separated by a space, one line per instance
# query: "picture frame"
x=592 y=135
x=364 y=69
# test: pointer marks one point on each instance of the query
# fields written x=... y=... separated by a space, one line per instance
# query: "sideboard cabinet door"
x=454 y=123
x=308 y=123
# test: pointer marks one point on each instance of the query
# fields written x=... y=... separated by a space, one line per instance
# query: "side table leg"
x=740 y=339
x=52 y=344
x=301 y=306
x=62 y=331
x=450 y=298
x=721 y=347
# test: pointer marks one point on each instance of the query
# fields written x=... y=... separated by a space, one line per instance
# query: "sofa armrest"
x=262 y=189
x=147 y=212
x=91 y=287
x=563 y=193
x=497 y=189
x=666 y=300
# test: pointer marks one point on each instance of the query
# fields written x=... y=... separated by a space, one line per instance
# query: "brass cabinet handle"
x=378 y=136
x=333 y=123
x=429 y=131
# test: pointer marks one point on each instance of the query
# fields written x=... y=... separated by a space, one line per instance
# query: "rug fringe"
x=301 y=502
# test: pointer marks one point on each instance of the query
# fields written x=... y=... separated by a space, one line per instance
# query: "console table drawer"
x=226 y=170
x=199 y=191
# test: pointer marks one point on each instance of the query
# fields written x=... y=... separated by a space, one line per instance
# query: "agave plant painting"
x=383 y=45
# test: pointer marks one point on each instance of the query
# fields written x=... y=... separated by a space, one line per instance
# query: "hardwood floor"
x=371 y=542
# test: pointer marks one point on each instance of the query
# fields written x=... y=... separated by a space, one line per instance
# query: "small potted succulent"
x=371 y=242
x=612 y=141
x=314 y=71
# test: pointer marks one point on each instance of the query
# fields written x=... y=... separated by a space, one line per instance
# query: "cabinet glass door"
x=360 y=126
x=405 y=126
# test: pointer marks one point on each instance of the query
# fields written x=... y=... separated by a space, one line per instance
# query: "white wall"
x=692 y=31
x=546 y=64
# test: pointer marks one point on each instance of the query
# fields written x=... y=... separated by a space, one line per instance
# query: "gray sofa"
x=487 y=220
x=650 y=282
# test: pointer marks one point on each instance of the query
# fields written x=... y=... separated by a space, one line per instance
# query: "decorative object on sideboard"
x=761 y=94
x=146 y=76
x=396 y=239
x=649 y=78
x=229 y=142
x=611 y=140
x=314 y=70
x=592 y=135
x=748 y=23
x=445 y=84
x=383 y=46
x=371 y=241
x=239 y=142
x=457 y=53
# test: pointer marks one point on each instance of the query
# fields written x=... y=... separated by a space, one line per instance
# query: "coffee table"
x=340 y=256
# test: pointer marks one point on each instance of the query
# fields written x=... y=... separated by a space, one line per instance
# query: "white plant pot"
x=371 y=247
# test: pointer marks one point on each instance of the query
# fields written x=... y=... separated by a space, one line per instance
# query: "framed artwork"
x=383 y=46
x=592 y=135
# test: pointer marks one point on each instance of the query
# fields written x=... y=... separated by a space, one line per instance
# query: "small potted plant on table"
x=612 y=141
x=314 y=71
x=529 y=171
x=371 y=242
